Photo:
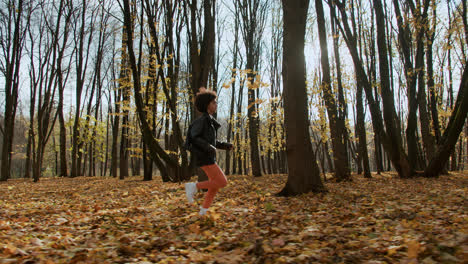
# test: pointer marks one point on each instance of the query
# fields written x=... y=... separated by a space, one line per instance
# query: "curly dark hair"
x=203 y=99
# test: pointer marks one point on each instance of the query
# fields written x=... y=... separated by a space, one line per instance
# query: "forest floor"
x=105 y=220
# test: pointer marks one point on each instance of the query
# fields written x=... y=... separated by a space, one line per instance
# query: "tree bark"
x=81 y=66
x=391 y=143
x=452 y=132
x=361 y=131
x=233 y=94
x=430 y=82
x=12 y=64
x=304 y=174
x=337 y=126
x=253 y=13
x=156 y=151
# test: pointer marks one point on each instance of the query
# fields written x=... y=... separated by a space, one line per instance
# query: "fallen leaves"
x=105 y=220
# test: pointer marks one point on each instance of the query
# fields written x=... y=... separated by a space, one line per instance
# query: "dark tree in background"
x=253 y=18
x=337 y=125
x=16 y=18
x=82 y=41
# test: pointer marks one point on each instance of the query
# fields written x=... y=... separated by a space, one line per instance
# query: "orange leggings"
x=217 y=180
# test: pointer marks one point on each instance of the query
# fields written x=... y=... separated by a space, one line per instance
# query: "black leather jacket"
x=203 y=136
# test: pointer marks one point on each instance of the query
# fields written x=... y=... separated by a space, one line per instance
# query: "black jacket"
x=203 y=134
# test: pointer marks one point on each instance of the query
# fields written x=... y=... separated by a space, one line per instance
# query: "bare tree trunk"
x=337 y=126
x=81 y=65
x=452 y=132
x=304 y=174
x=391 y=143
x=124 y=141
x=233 y=92
x=12 y=70
x=124 y=80
x=115 y=130
x=156 y=151
x=430 y=82
x=450 y=88
x=361 y=132
x=63 y=130
x=201 y=54
x=253 y=14
x=33 y=93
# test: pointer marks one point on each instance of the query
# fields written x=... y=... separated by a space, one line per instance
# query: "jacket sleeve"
x=222 y=145
x=197 y=135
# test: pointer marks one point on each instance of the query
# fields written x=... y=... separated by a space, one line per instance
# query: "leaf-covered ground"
x=105 y=220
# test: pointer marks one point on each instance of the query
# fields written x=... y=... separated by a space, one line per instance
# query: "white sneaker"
x=190 y=191
x=203 y=211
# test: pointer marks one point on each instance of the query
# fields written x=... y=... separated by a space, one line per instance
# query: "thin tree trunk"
x=124 y=79
x=391 y=143
x=361 y=132
x=12 y=65
x=156 y=151
x=430 y=83
x=81 y=65
x=452 y=132
x=233 y=91
x=253 y=21
x=337 y=126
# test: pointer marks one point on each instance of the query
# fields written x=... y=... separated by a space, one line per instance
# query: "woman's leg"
x=217 y=180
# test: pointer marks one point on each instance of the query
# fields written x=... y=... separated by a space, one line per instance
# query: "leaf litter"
x=106 y=220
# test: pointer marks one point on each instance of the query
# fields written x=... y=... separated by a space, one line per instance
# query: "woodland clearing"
x=105 y=220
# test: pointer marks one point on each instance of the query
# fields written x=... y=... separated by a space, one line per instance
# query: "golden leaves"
x=104 y=219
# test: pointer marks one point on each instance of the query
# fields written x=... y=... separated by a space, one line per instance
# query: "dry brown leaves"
x=104 y=220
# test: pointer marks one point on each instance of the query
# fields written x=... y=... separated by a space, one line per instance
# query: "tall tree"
x=275 y=121
x=62 y=78
x=156 y=151
x=253 y=13
x=391 y=138
x=50 y=54
x=32 y=106
x=169 y=77
x=457 y=118
x=117 y=95
x=201 y=43
x=201 y=48
x=83 y=39
x=15 y=18
x=235 y=54
x=433 y=98
x=337 y=125
x=125 y=87
x=304 y=174
x=414 y=74
x=389 y=112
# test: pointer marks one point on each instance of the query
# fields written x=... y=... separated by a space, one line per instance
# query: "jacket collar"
x=212 y=120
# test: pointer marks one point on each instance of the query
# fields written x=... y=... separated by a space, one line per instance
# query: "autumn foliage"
x=104 y=220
